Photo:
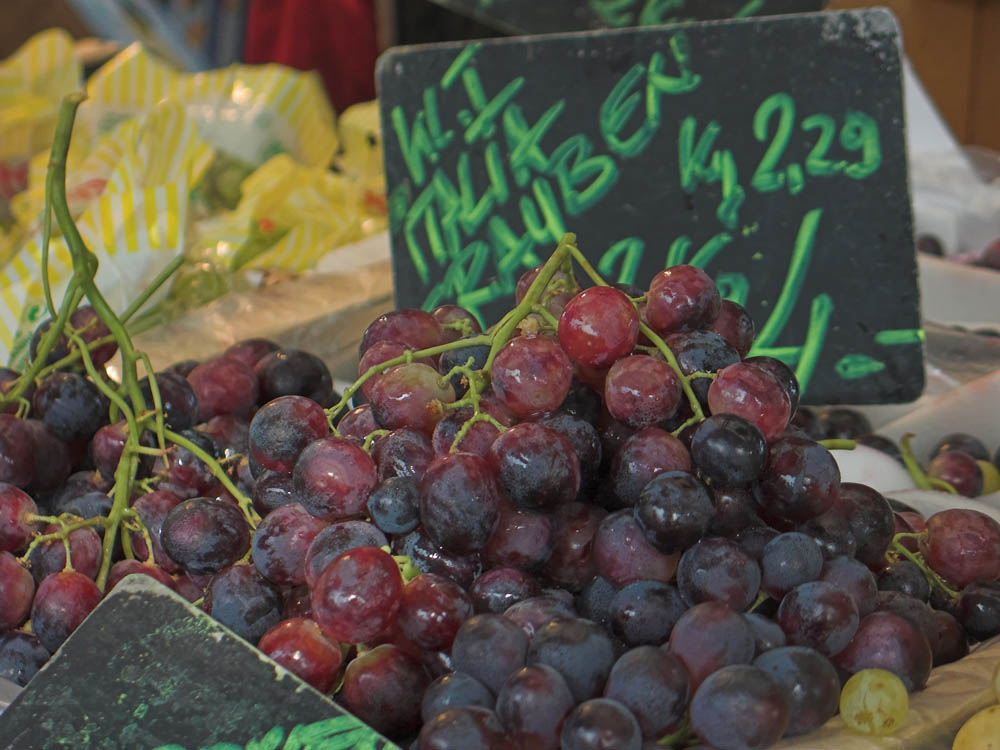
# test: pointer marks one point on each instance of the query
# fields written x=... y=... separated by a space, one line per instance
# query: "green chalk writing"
x=338 y=733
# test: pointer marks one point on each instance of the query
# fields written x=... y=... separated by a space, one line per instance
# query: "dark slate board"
x=147 y=670
x=549 y=16
x=494 y=148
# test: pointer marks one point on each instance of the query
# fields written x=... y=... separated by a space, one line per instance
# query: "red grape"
x=281 y=542
x=536 y=466
x=17 y=451
x=735 y=325
x=958 y=469
x=204 y=535
x=84 y=550
x=357 y=595
x=801 y=479
x=450 y=315
x=282 y=428
x=335 y=540
x=963 y=546
x=888 y=641
x=333 y=478
x=358 y=422
x=224 y=386
x=498 y=589
x=124 y=568
x=644 y=455
x=641 y=391
x=708 y=637
x=414 y=328
x=300 y=646
x=62 y=602
x=17 y=589
x=623 y=554
x=531 y=374
x=682 y=298
x=818 y=615
x=752 y=393
x=598 y=326
x=410 y=395
x=522 y=539
x=15 y=529
x=459 y=503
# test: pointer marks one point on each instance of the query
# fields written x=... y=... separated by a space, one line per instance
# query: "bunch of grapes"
x=593 y=525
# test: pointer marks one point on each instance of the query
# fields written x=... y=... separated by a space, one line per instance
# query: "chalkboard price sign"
x=768 y=151
x=548 y=16
x=148 y=671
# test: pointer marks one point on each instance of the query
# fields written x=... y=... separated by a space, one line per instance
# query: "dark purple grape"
x=498 y=589
x=383 y=687
x=832 y=533
x=871 y=521
x=60 y=347
x=820 y=616
x=582 y=402
x=184 y=468
x=71 y=407
x=906 y=577
x=86 y=505
x=855 y=578
x=839 y=423
x=643 y=613
x=717 y=569
x=594 y=601
x=735 y=510
x=124 y=568
x=740 y=707
x=532 y=704
x=454 y=690
x=801 y=479
x=674 y=511
x=467 y=727
x=490 y=648
x=336 y=539
x=580 y=650
x=272 y=490
x=754 y=538
x=709 y=636
x=789 y=560
x=535 y=613
x=979 y=610
x=402 y=453
x=281 y=542
x=601 y=724
x=291 y=372
x=622 y=554
x=21 y=656
x=53 y=462
x=805 y=422
x=224 y=386
x=17 y=451
x=180 y=405
x=243 y=601
x=571 y=564
x=810 y=683
x=394 y=505
x=729 y=449
x=282 y=428
x=767 y=633
x=961 y=441
x=653 y=685
x=205 y=535
x=455 y=357
x=702 y=351
x=949 y=643
x=428 y=557
x=536 y=466
x=459 y=503
x=888 y=641
x=586 y=443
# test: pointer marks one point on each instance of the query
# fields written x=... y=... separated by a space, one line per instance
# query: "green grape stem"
x=935 y=580
x=838 y=445
x=916 y=472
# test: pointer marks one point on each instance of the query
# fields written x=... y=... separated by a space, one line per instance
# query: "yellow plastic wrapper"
x=135 y=221
x=32 y=83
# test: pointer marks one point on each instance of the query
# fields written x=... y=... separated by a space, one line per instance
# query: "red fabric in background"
x=334 y=37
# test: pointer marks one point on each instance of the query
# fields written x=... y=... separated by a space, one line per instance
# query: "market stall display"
x=522 y=529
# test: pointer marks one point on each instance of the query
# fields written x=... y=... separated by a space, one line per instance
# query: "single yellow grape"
x=996 y=681
x=874 y=702
x=981 y=732
x=991 y=477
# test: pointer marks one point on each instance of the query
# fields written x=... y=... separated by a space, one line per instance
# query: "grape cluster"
x=597 y=524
